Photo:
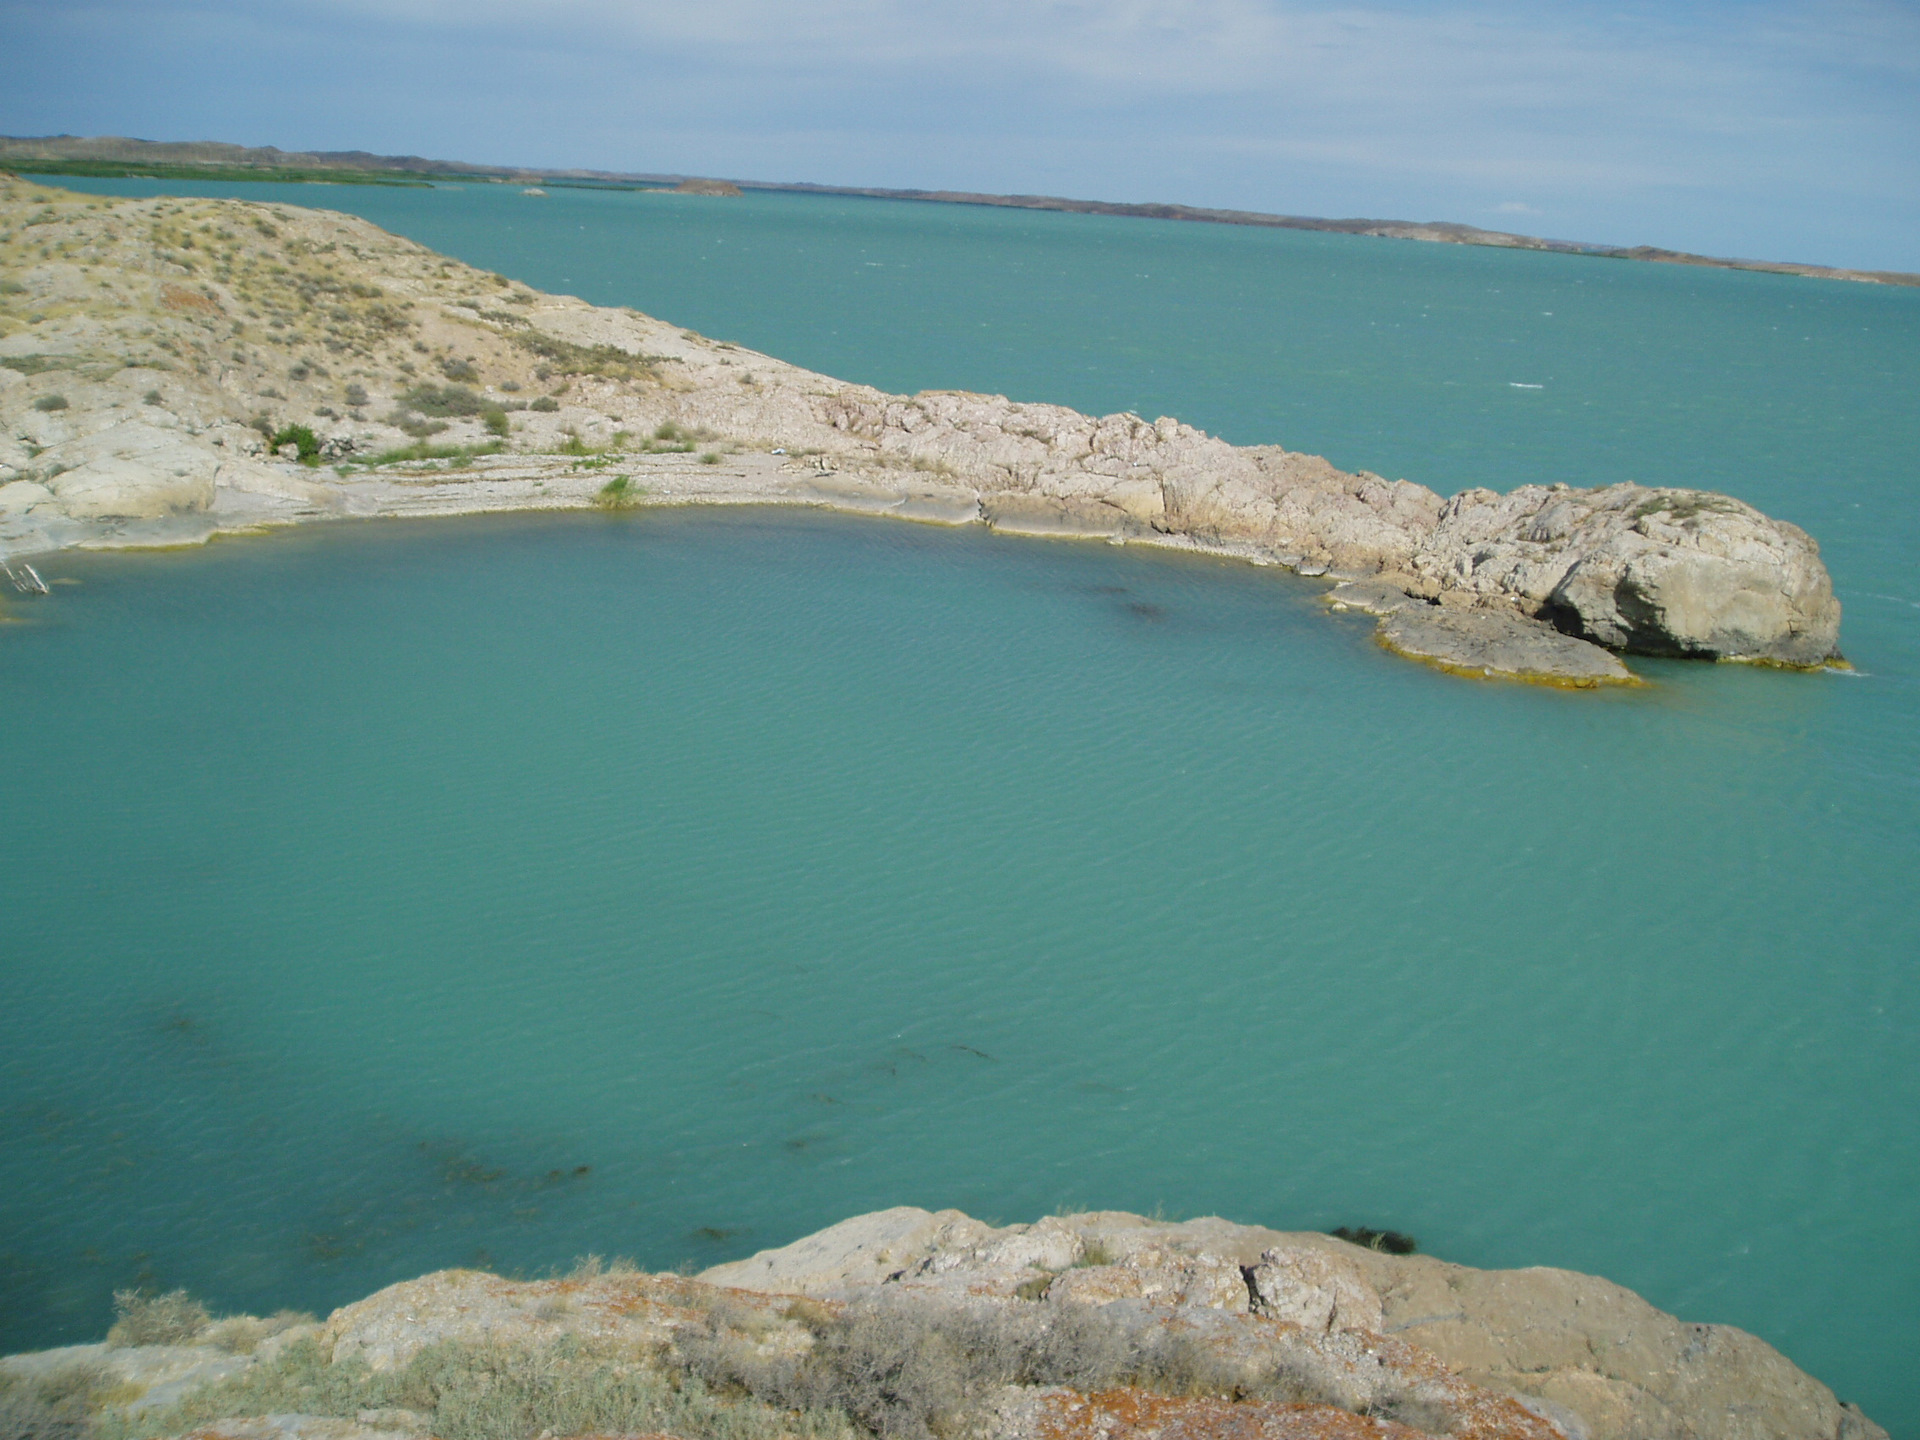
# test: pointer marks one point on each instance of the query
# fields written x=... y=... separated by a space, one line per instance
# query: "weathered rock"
x=23 y=495
x=388 y=1328
x=1489 y=642
x=1364 y=1343
x=865 y=1250
x=1599 y=1360
x=1375 y=597
x=1314 y=1288
x=148 y=1377
x=130 y=470
x=1159 y=1274
x=1071 y=519
x=1663 y=572
x=1131 y=1414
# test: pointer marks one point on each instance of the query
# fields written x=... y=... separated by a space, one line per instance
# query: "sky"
x=1771 y=129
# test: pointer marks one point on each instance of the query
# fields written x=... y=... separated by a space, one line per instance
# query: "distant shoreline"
x=113 y=157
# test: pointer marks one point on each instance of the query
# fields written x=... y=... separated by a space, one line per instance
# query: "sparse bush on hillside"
x=242 y=1334
x=566 y=358
x=445 y=400
x=175 y=1318
x=912 y=1370
x=51 y=402
x=51 y=1407
x=899 y=1369
x=487 y=1392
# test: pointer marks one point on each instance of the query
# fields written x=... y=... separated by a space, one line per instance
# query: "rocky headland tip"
x=175 y=369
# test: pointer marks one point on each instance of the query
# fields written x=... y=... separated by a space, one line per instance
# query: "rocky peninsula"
x=909 y=1323
x=175 y=369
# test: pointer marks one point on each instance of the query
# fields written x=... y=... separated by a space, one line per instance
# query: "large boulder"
x=1654 y=571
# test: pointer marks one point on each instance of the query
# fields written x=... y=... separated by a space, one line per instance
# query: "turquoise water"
x=365 y=883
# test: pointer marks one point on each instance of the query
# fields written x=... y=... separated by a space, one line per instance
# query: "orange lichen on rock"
x=1123 y=1413
x=1120 y=1414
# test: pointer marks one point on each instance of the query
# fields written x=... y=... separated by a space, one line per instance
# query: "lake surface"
x=387 y=896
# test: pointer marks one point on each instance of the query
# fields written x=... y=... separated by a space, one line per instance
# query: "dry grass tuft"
x=175 y=1318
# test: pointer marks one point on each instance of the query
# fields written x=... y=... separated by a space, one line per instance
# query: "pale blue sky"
x=1767 y=128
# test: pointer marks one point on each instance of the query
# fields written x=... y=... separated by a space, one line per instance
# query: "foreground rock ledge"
x=1370 y=1346
x=150 y=348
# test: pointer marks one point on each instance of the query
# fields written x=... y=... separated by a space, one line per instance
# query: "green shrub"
x=546 y=405
x=619 y=493
x=424 y=451
x=297 y=435
x=51 y=402
x=143 y=1318
x=496 y=421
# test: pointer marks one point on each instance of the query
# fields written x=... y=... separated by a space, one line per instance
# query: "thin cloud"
x=1767 y=117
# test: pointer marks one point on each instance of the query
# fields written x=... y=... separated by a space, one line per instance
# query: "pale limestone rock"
x=1493 y=643
x=1627 y=1370
x=1158 y=1274
x=1678 y=572
x=865 y=1250
x=388 y=1328
x=1315 y=1289
x=23 y=495
x=1372 y=596
x=1018 y=1252
x=1608 y=1363
x=1057 y=519
x=131 y=469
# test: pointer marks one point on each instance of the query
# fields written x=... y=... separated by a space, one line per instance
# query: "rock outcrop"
x=159 y=359
x=1077 y=1327
x=1588 y=1354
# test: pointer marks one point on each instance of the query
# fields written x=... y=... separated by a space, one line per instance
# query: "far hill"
x=114 y=156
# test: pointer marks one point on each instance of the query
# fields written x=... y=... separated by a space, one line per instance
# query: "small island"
x=173 y=369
